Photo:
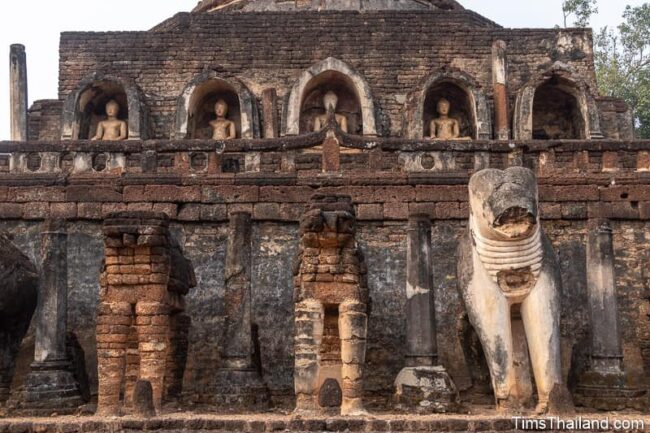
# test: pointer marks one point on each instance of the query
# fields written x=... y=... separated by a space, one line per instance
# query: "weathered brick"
x=396 y=211
x=167 y=208
x=213 y=212
x=63 y=210
x=229 y=194
x=449 y=210
x=172 y=193
x=11 y=210
x=625 y=193
x=370 y=212
x=38 y=193
x=92 y=193
x=285 y=194
x=266 y=211
x=189 y=212
x=37 y=211
x=568 y=193
x=550 y=210
x=432 y=193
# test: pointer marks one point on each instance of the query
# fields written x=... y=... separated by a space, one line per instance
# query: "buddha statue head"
x=330 y=101
x=112 y=108
x=443 y=107
x=221 y=108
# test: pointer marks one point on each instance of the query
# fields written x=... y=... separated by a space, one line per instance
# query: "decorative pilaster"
x=422 y=384
x=605 y=385
x=238 y=381
x=51 y=386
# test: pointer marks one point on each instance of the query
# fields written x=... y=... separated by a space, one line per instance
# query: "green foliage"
x=582 y=10
x=622 y=58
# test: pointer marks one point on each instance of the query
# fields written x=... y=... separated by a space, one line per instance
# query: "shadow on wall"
x=556 y=111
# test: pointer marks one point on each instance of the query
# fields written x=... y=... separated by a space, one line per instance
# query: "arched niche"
x=556 y=105
x=195 y=107
x=461 y=105
x=86 y=107
x=468 y=105
x=305 y=99
x=348 y=101
x=557 y=112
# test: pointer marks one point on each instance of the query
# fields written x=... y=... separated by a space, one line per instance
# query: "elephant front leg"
x=353 y=324
x=6 y=365
x=541 y=317
x=308 y=337
x=11 y=336
x=489 y=313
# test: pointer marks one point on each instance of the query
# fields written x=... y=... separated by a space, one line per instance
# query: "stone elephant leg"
x=11 y=335
x=152 y=322
x=489 y=313
x=310 y=315
x=113 y=325
x=353 y=324
x=541 y=316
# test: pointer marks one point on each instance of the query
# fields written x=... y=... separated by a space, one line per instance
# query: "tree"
x=582 y=10
x=622 y=59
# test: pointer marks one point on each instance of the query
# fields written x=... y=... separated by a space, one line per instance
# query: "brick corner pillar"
x=50 y=385
x=500 y=83
x=143 y=282
x=605 y=385
x=238 y=380
x=331 y=321
x=18 y=92
x=269 y=113
x=437 y=391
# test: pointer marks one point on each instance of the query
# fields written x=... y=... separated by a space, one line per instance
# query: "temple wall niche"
x=92 y=106
x=557 y=113
x=348 y=102
x=462 y=107
x=195 y=107
x=556 y=104
x=467 y=102
x=85 y=107
x=384 y=249
x=202 y=105
x=305 y=99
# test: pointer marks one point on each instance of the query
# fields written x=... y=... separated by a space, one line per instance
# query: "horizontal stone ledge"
x=260 y=423
x=313 y=178
x=310 y=140
x=290 y=211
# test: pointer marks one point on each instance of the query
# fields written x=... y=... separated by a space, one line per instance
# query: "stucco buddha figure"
x=222 y=128
x=111 y=129
x=330 y=102
x=444 y=127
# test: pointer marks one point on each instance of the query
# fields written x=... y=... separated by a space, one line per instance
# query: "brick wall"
x=256 y=48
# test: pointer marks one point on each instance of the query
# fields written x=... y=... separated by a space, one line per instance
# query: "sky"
x=37 y=25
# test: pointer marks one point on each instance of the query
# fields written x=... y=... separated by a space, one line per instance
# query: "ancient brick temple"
x=265 y=206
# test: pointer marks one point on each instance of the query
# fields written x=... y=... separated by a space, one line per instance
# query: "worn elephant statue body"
x=507 y=262
x=18 y=296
